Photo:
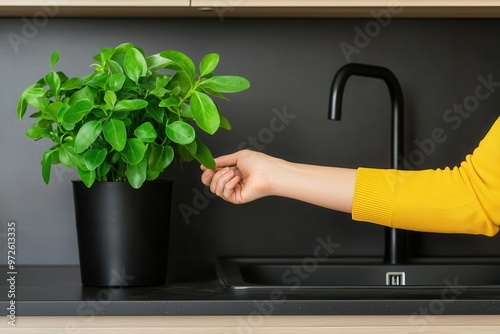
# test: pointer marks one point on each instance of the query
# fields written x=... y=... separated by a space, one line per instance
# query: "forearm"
x=329 y=187
x=464 y=199
x=442 y=201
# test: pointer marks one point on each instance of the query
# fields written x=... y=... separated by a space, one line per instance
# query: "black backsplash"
x=291 y=64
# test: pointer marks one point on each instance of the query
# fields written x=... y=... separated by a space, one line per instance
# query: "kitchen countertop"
x=57 y=291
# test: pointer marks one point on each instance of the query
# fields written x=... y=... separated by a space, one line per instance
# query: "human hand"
x=241 y=177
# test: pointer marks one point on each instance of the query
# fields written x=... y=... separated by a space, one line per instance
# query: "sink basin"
x=251 y=273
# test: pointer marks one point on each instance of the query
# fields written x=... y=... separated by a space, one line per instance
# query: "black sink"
x=246 y=273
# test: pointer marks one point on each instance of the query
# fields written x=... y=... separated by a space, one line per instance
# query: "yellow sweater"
x=464 y=199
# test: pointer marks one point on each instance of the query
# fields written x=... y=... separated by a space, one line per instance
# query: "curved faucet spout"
x=394 y=252
x=395 y=92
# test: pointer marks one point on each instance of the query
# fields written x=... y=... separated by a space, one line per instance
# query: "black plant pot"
x=123 y=232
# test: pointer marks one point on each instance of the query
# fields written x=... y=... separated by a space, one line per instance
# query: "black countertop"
x=57 y=291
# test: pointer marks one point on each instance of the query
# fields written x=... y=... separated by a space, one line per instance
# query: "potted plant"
x=121 y=126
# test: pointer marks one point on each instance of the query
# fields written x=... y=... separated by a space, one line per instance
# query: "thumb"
x=229 y=160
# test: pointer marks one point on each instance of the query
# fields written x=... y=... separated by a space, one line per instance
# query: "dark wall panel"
x=290 y=64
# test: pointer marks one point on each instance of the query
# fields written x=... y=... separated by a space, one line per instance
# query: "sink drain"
x=395 y=278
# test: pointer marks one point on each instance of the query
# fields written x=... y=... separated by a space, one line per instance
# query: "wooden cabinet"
x=345 y=3
x=94 y=8
x=354 y=8
x=96 y=3
x=256 y=325
x=250 y=8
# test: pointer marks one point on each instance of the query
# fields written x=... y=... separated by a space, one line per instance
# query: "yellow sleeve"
x=464 y=199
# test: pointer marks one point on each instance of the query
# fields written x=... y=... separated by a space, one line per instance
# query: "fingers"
x=223 y=183
x=206 y=177
x=221 y=163
x=229 y=193
x=219 y=181
x=225 y=178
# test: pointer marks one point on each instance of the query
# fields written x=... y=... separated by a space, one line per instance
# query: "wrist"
x=280 y=177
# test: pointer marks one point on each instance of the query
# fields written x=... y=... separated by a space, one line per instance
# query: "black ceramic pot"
x=123 y=232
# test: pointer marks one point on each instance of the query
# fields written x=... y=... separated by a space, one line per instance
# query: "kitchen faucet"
x=394 y=239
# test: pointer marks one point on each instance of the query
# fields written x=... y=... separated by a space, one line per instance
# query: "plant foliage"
x=129 y=118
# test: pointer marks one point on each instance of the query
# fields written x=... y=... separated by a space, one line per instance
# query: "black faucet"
x=394 y=239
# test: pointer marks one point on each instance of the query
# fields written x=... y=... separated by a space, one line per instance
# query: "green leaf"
x=45 y=123
x=62 y=111
x=115 y=133
x=135 y=65
x=184 y=154
x=151 y=175
x=36 y=132
x=175 y=87
x=136 y=174
x=54 y=58
x=160 y=158
x=71 y=84
x=55 y=155
x=32 y=96
x=100 y=112
x=94 y=158
x=224 y=122
x=123 y=115
x=75 y=113
x=67 y=126
x=63 y=76
x=130 y=105
x=122 y=50
x=156 y=112
x=53 y=110
x=115 y=82
x=98 y=81
x=36 y=114
x=52 y=79
x=180 y=62
x=34 y=92
x=114 y=67
x=110 y=98
x=22 y=106
x=83 y=94
x=203 y=155
x=180 y=84
x=87 y=135
x=106 y=54
x=205 y=112
x=162 y=81
x=87 y=176
x=211 y=92
x=192 y=147
x=134 y=151
x=156 y=62
x=172 y=100
x=68 y=156
x=180 y=132
x=226 y=84
x=208 y=63
x=185 y=110
x=39 y=103
x=121 y=170
x=46 y=165
x=115 y=157
x=148 y=82
x=146 y=132
x=103 y=170
x=159 y=92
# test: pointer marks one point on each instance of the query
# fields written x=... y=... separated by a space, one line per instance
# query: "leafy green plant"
x=129 y=118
